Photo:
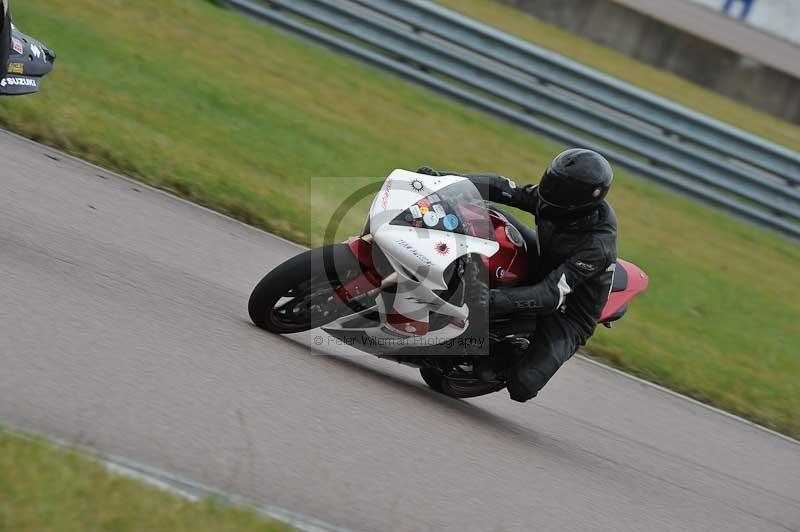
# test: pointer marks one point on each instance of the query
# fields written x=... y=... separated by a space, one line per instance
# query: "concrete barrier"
x=748 y=78
x=778 y=17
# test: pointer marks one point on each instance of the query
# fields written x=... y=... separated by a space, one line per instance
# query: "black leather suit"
x=569 y=286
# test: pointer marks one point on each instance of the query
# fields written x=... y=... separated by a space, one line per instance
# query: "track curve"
x=123 y=326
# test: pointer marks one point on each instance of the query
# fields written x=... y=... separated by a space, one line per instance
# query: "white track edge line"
x=692 y=400
x=182 y=486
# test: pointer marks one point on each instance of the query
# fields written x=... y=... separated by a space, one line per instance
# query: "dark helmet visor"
x=563 y=193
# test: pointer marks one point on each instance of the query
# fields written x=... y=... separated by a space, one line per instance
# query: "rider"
x=577 y=231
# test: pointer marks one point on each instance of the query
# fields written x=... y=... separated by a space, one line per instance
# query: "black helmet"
x=575 y=182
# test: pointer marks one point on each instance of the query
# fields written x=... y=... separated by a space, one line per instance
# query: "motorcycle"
x=23 y=59
x=413 y=286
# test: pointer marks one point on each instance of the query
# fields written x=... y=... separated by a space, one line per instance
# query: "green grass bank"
x=241 y=117
x=47 y=489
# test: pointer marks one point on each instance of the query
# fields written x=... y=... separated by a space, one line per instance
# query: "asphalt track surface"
x=123 y=326
x=716 y=27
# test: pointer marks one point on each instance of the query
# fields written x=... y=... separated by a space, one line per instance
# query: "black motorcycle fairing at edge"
x=24 y=61
x=5 y=37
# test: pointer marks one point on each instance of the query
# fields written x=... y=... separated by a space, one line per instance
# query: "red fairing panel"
x=637 y=283
x=362 y=250
x=509 y=266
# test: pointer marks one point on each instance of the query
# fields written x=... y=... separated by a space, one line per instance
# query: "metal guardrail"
x=559 y=98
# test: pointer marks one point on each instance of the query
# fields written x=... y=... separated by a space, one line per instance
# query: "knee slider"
x=525 y=384
x=531 y=377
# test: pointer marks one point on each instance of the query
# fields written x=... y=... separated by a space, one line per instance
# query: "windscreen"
x=456 y=208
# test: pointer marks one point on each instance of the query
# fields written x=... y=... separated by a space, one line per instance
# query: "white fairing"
x=419 y=255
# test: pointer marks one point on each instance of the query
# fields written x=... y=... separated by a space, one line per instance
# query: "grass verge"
x=44 y=488
x=241 y=117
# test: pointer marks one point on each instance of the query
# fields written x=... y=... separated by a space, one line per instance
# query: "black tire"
x=329 y=267
x=432 y=378
x=477 y=298
x=459 y=389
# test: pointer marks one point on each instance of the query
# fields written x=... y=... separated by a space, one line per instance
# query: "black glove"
x=499 y=303
x=427 y=170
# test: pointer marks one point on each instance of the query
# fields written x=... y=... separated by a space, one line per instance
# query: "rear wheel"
x=457 y=383
x=299 y=294
x=432 y=378
x=458 y=379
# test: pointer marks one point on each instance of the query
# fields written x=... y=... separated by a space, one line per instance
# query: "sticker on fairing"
x=451 y=221
x=17 y=82
x=415 y=211
x=431 y=219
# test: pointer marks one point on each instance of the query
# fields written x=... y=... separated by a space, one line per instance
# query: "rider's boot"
x=493 y=367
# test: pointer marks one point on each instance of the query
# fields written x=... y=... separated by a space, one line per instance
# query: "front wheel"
x=299 y=295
